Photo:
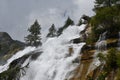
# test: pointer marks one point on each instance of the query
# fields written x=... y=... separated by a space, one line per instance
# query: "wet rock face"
x=76 y=41
x=18 y=62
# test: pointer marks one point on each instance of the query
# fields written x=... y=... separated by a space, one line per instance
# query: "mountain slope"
x=8 y=46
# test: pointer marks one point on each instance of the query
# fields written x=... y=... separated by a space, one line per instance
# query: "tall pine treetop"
x=34 y=38
x=68 y=22
x=52 y=28
x=52 y=31
x=35 y=28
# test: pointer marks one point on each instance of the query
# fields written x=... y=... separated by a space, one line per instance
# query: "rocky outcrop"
x=81 y=72
x=85 y=62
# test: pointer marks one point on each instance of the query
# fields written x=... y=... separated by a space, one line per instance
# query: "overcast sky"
x=17 y=15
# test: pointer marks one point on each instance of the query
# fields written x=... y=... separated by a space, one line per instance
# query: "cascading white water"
x=101 y=44
x=16 y=56
x=54 y=63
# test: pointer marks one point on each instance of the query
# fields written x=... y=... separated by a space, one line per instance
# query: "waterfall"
x=101 y=44
x=56 y=62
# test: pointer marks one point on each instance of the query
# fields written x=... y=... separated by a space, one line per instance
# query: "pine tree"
x=33 y=39
x=68 y=22
x=52 y=31
x=80 y=22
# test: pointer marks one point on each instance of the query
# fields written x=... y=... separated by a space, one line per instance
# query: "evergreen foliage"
x=112 y=63
x=33 y=39
x=101 y=57
x=80 y=22
x=107 y=17
x=118 y=59
x=52 y=31
x=102 y=76
x=111 y=59
x=68 y=22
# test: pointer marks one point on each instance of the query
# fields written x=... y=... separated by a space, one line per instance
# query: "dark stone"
x=18 y=62
x=112 y=35
x=36 y=55
x=76 y=41
x=77 y=60
x=113 y=44
x=89 y=58
x=88 y=47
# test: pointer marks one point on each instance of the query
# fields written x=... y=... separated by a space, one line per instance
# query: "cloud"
x=17 y=15
x=88 y=4
x=52 y=11
x=83 y=7
x=47 y=18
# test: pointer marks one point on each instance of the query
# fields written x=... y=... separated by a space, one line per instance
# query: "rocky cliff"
x=8 y=46
x=89 y=69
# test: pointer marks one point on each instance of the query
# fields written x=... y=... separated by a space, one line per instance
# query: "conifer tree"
x=68 y=22
x=34 y=38
x=52 y=31
x=80 y=22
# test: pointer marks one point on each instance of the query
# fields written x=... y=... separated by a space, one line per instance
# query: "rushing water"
x=56 y=62
x=101 y=44
x=16 y=56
